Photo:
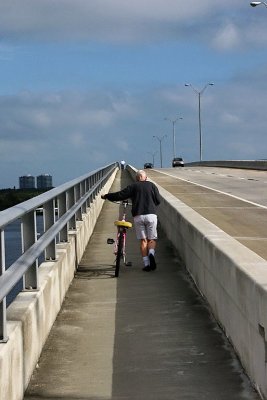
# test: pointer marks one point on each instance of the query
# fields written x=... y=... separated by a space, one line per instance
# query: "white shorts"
x=146 y=226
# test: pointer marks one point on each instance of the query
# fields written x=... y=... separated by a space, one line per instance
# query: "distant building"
x=27 y=182
x=44 y=181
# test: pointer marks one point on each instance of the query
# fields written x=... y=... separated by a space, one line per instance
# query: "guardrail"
x=62 y=207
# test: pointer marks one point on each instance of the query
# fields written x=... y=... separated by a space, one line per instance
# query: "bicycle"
x=120 y=242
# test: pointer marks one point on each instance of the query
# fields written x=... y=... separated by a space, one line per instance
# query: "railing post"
x=49 y=220
x=87 y=187
x=97 y=179
x=91 y=184
x=3 y=332
x=62 y=208
x=70 y=203
x=28 y=236
x=77 y=191
x=83 y=191
x=94 y=182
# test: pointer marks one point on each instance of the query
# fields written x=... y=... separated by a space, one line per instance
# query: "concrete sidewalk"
x=143 y=336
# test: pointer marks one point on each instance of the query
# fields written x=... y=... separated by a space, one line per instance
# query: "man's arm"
x=156 y=195
x=118 y=196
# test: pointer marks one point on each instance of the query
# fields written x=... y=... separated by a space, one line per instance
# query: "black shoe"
x=152 y=261
x=147 y=268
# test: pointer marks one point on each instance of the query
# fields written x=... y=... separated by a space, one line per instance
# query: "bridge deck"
x=142 y=336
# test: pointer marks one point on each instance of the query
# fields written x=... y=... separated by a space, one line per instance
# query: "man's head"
x=141 y=175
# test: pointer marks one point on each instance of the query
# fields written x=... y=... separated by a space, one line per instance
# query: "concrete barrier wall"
x=32 y=314
x=245 y=164
x=232 y=278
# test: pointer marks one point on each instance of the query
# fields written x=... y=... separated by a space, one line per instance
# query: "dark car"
x=148 y=165
x=178 y=162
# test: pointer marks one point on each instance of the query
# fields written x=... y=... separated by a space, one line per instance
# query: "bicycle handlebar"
x=125 y=203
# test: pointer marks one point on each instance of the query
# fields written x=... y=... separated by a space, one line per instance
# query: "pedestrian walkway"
x=143 y=336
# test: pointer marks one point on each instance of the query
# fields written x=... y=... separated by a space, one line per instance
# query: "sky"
x=84 y=83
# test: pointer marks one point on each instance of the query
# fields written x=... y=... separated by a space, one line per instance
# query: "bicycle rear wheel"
x=119 y=254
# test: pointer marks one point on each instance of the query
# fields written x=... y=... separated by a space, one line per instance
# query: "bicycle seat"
x=124 y=224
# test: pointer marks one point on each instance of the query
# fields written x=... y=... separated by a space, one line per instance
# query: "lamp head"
x=255 y=3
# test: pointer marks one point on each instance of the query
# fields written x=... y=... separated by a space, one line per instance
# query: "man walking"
x=145 y=198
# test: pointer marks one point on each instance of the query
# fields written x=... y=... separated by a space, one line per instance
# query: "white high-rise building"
x=44 y=181
x=27 y=182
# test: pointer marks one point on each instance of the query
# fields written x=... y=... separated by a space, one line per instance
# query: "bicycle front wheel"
x=119 y=254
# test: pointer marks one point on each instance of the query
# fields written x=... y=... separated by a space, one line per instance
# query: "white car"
x=178 y=162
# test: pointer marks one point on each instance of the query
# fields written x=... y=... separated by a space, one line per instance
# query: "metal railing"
x=61 y=208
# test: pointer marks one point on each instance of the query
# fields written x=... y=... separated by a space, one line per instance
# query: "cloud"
x=37 y=114
x=6 y=53
x=63 y=133
x=119 y=21
x=228 y=37
x=230 y=118
x=122 y=144
x=63 y=128
x=77 y=139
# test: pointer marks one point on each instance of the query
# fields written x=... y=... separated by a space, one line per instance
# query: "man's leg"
x=151 y=254
x=151 y=241
x=151 y=244
x=144 y=253
x=143 y=247
x=141 y=236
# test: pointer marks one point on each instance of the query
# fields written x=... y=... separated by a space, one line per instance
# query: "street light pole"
x=173 y=121
x=160 y=147
x=199 y=93
x=257 y=3
x=153 y=156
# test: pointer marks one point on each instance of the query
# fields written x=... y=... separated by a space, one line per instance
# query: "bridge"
x=193 y=329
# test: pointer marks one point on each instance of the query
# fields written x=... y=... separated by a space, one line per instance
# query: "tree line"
x=11 y=197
